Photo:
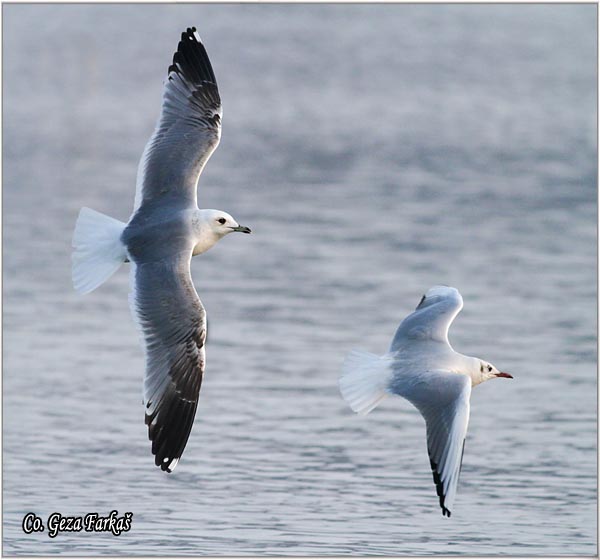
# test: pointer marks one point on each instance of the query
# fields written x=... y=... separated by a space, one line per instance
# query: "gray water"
x=375 y=150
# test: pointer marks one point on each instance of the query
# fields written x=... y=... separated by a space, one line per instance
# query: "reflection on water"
x=375 y=151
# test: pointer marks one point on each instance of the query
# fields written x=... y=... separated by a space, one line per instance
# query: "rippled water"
x=375 y=151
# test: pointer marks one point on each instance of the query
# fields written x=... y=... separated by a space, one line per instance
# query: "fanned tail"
x=97 y=249
x=364 y=380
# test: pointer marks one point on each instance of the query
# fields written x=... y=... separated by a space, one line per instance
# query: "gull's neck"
x=204 y=233
x=471 y=367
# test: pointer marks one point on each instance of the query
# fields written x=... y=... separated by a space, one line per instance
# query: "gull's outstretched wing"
x=172 y=322
x=188 y=130
x=431 y=319
x=443 y=399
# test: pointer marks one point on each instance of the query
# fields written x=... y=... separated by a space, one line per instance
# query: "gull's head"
x=489 y=371
x=221 y=223
x=212 y=225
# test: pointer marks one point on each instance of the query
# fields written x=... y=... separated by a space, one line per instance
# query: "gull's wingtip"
x=190 y=35
x=166 y=465
x=440 y=293
x=442 y=290
x=190 y=60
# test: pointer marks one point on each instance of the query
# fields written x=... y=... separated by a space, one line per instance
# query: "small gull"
x=164 y=232
x=422 y=367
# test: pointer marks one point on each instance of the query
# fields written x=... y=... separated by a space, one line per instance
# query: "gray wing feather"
x=172 y=322
x=431 y=319
x=188 y=130
x=443 y=399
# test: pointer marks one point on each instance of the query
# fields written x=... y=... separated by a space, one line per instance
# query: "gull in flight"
x=422 y=367
x=164 y=232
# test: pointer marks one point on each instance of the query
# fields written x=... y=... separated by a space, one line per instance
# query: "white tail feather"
x=364 y=380
x=98 y=250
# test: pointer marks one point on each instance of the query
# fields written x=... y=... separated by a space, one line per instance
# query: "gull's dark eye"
x=489 y=368
x=221 y=220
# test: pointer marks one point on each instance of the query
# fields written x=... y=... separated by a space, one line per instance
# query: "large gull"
x=164 y=232
x=422 y=367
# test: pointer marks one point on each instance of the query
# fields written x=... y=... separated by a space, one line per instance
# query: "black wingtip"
x=165 y=468
x=191 y=60
x=169 y=430
x=439 y=487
